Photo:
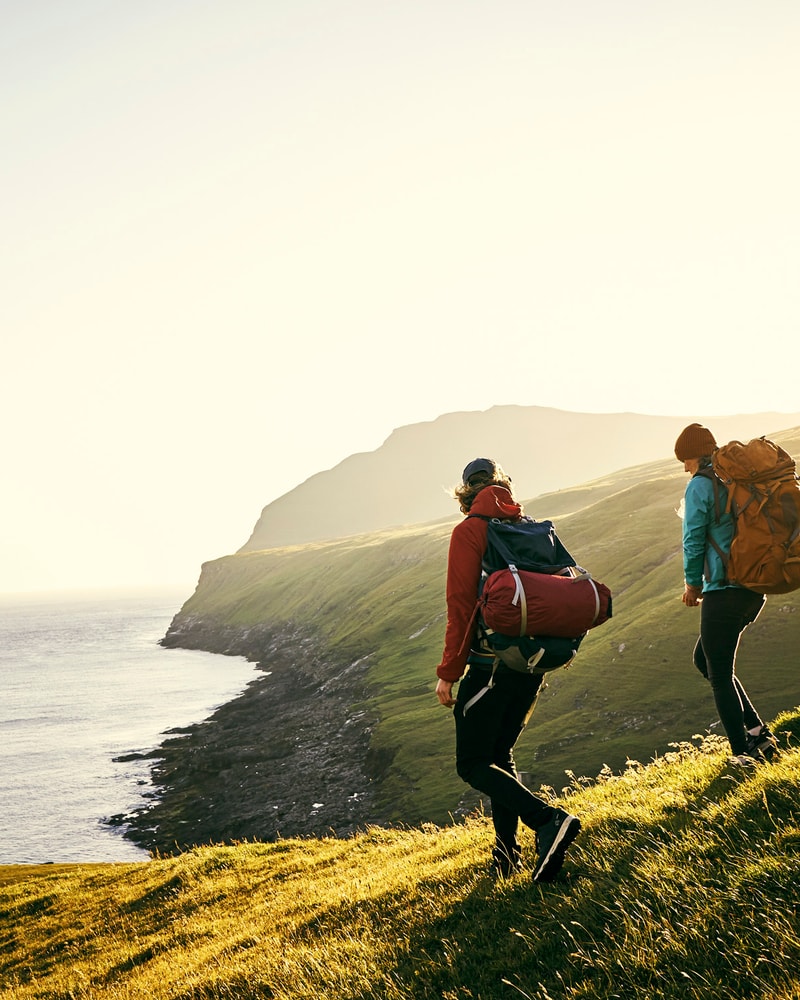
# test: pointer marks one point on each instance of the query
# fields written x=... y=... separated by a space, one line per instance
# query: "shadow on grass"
x=568 y=938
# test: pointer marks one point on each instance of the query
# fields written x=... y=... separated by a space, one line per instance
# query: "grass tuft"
x=683 y=884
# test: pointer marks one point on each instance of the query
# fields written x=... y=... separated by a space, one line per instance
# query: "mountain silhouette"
x=409 y=479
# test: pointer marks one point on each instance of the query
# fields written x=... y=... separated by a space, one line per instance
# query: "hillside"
x=343 y=730
x=684 y=885
x=409 y=479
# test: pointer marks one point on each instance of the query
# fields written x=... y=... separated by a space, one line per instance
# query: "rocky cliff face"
x=289 y=757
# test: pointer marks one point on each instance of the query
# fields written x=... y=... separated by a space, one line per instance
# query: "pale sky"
x=242 y=241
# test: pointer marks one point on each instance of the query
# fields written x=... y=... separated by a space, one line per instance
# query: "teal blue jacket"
x=702 y=566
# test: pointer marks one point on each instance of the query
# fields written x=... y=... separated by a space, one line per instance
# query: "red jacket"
x=467 y=545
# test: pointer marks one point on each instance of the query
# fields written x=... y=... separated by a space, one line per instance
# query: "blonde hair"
x=465 y=493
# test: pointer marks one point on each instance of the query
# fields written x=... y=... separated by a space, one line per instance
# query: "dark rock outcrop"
x=289 y=757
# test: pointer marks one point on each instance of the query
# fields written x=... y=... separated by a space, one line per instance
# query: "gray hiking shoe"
x=552 y=841
x=763 y=744
x=744 y=762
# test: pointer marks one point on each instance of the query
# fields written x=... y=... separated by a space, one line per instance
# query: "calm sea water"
x=83 y=681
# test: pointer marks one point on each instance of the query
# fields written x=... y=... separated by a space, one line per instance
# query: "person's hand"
x=692 y=595
x=444 y=692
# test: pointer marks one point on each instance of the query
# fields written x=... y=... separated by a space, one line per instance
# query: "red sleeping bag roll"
x=524 y=603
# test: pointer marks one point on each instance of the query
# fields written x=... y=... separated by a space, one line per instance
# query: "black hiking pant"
x=488 y=726
x=724 y=615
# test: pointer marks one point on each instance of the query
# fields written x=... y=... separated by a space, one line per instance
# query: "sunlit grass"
x=683 y=884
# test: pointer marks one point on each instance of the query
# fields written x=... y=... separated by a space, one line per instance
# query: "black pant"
x=487 y=727
x=724 y=615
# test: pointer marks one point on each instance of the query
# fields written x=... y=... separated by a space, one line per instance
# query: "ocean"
x=83 y=681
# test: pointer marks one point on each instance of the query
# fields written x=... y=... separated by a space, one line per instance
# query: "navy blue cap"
x=483 y=465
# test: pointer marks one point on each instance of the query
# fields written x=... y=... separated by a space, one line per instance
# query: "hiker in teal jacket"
x=703 y=536
x=725 y=609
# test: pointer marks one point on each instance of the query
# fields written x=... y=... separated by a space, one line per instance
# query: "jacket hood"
x=495 y=501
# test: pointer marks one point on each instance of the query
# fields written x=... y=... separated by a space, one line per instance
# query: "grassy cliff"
x=357 y=625
x=682 y=885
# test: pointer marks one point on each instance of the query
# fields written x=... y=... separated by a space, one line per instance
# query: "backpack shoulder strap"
x=501 y=520
x=707 y=472
x=497 y=541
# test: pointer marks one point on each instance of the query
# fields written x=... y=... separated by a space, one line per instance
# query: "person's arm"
x=444 y=692
x=463 y=578
x=691 y=596
x=699 y=492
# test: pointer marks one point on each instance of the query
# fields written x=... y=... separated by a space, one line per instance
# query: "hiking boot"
x=552 y=841
x=763 y=744
x=744 y=761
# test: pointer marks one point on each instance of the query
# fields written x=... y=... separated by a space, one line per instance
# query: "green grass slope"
x=630 y=692
x=683 y=885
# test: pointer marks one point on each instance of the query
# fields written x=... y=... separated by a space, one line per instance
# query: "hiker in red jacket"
x=492 y=708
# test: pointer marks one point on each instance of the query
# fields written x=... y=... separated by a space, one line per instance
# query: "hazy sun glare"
x=242 y=242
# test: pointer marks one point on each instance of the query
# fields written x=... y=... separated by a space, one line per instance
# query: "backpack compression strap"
x=487 y=687
x=519 y=598
x=575 y=573
x=707 y=472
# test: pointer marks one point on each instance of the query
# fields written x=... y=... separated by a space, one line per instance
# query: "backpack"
x=536 y=604
x=764 y=499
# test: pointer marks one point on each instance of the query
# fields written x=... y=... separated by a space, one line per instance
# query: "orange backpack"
x=764 y=498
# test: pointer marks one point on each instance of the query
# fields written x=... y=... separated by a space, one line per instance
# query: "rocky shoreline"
x=289 y=757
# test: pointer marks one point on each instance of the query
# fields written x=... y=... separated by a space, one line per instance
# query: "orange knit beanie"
x=694 y=441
